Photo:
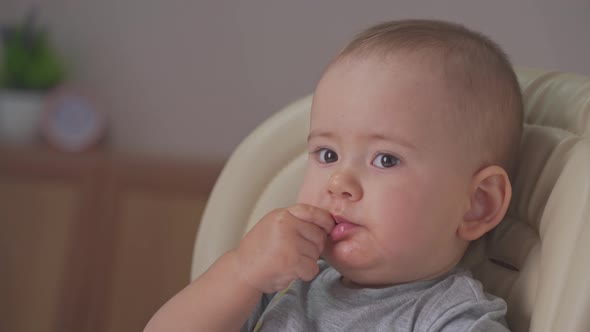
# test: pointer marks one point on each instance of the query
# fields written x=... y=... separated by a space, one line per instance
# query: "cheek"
x=412 y=211
x=310 y=189
x=411 y=229
x=305 y=196
x=398 y=203
x=395 y=207
x=433 y=208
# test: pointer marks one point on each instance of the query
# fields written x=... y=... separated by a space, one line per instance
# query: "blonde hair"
x=476 y=68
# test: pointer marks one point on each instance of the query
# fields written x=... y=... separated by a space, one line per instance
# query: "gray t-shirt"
x=453 y=302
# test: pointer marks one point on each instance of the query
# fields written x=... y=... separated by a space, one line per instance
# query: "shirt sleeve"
x=473 y=316
x=250 y=324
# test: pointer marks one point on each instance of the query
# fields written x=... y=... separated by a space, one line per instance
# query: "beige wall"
x=192 y=78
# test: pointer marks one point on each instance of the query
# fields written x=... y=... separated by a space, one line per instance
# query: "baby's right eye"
x=326 y=156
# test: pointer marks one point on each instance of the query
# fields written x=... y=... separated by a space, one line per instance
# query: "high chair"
x=537 y=259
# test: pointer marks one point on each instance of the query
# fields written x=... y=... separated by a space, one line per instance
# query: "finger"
x=308 y=249
x=314 y=215
x=312 y=233
x=308 y=269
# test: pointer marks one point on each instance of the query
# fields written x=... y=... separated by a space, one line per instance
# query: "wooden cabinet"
x=94 y=242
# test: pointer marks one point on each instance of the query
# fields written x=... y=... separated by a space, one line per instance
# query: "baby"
x=415 y=128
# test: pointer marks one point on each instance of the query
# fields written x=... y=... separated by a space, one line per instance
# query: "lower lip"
x=340 y=230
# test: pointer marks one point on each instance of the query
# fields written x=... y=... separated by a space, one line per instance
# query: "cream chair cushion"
x=537 y=259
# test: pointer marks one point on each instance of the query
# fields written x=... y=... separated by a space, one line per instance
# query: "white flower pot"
x=20 y=116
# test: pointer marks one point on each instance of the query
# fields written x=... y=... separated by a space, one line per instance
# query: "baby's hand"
x=283 y=246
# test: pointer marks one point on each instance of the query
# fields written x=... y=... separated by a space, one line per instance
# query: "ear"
x=489 y=199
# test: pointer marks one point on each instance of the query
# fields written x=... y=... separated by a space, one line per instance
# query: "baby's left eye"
x=384 y=160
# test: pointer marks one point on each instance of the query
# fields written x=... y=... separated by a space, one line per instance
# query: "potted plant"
x=29 y=67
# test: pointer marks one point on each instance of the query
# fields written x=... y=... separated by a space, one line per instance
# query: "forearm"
x=216 y=301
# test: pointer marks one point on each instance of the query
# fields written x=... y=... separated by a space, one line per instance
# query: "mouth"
x=342 y=228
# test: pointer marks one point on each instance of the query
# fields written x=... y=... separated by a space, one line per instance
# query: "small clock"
x=72 y=122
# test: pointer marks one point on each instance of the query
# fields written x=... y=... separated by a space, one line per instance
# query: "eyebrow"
x=316 y=133
x=372 y=136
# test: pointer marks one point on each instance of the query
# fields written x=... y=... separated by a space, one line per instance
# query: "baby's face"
x=385 y=162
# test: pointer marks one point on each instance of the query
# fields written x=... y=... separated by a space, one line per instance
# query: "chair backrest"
x=536 y=259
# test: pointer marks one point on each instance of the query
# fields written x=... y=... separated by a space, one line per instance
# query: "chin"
x=345 y=257
x=357 y=277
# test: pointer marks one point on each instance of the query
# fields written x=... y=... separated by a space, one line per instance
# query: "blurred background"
x=116 y=117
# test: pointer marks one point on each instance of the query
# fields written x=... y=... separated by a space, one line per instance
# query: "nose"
x=344 y=185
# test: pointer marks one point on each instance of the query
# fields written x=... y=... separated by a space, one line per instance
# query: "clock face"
x=72 y=123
